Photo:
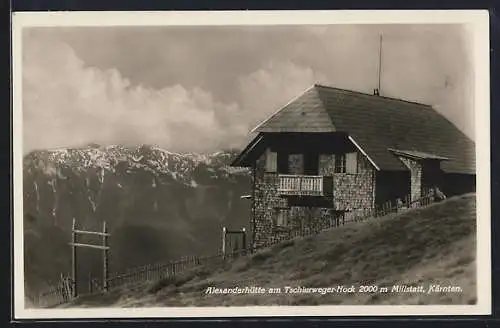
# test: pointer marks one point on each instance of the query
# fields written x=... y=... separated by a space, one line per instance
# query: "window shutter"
x=352 y=163
x=271 y=161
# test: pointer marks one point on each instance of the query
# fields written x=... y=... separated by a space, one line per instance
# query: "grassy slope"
x=430 y=245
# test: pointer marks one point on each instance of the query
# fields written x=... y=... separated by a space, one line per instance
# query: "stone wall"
x=355 y=193
x=265 y=202
x=308 y=219
x=352 y=192
x=415 y=176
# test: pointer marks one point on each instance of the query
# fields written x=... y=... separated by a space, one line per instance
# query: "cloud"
x=188 y=89
x=271 y=87
x=66 y=103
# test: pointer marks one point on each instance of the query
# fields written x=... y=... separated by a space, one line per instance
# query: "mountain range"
x=158 y=205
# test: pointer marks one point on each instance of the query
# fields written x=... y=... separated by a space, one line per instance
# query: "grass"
x=432 y=245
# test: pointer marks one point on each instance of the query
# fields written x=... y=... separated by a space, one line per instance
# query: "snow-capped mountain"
x=158 y=205
x=157 y=161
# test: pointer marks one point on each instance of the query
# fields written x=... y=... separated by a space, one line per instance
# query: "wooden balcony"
x=305 y=185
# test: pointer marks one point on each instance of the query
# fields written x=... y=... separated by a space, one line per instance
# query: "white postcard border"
x=476 y=20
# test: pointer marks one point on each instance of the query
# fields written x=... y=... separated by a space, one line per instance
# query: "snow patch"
x=37 y=194
x=101 y=176
x=92 y=203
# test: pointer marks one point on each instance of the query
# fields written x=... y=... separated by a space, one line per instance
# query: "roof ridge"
x=371 y=95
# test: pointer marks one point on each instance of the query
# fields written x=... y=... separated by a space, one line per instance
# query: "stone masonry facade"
x=354 y=194
x=415 y=176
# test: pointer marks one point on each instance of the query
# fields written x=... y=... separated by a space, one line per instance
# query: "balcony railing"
x=305 y=185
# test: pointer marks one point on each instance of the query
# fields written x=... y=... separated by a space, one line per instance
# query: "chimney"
x=375 y=92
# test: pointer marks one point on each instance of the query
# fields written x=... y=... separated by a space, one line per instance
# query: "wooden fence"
x=55 y=295
x=153 y=272
x=158 y=271
x=387 y=208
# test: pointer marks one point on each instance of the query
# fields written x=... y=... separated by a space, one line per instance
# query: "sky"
x=202 y=89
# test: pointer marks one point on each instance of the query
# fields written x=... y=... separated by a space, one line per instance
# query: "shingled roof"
x=378 y=125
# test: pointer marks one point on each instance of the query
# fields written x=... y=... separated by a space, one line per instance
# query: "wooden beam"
x=228 y=232
x=92 y=233
x=89 y=246
x=364 y=153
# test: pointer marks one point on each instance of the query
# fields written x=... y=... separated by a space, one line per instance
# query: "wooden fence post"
x=73 y=259
x=90 y=283
x=223 y=242
x=105 y=256
x=244 y=231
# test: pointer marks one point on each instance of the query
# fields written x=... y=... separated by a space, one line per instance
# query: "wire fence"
x=62 y=293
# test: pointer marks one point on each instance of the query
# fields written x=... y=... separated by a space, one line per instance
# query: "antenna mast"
x=379 y=63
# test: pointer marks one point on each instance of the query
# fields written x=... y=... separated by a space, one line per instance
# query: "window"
x=326 y=163
x=281 y=218
x=271 y=161
x=340 y=163
x=346 y=163
x=296 y=163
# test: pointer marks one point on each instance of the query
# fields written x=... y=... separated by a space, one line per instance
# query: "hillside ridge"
x=430 y=246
